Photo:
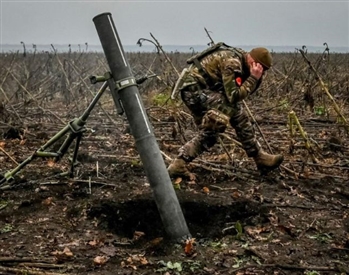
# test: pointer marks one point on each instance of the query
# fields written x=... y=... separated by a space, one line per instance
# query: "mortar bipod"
x=74 y=129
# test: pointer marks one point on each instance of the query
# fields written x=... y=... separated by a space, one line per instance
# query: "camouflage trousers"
x=199 y=103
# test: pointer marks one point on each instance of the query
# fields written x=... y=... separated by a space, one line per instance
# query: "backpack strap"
x=196 y=60
x=204 y=53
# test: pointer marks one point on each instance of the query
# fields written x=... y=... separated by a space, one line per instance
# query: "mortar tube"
x=164 y=194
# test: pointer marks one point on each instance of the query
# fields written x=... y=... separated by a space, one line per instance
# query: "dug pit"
x=206 y=217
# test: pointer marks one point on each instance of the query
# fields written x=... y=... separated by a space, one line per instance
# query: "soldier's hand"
x=256 y=70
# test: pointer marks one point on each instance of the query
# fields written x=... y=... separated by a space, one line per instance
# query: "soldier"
x=213 y=87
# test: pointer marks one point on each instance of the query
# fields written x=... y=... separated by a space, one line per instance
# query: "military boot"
x=178 y=168
x=266 y=162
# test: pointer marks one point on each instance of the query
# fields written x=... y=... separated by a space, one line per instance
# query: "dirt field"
x=104 y=220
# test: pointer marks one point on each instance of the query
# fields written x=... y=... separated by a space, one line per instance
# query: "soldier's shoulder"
x=231 y=61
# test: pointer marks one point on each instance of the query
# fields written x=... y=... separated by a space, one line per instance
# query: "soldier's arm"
x=231 y=71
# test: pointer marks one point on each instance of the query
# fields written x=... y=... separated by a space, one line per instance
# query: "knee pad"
x=215 y=120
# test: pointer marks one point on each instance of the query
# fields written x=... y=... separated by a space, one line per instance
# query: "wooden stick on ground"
x=7 y=154
x=14 y=270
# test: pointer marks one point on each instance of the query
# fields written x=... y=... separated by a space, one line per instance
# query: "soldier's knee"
x=215 y=120
x=240 y=120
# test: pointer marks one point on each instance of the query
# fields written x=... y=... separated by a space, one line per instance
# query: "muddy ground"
x=104 y=220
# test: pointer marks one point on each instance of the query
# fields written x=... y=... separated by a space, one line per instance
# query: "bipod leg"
x=65 y=145
x=8 y=176
x=75 y=127
x=75 y=155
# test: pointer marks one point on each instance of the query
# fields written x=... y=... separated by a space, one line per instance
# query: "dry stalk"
x=27 y=259
x=231 y=139
x=2 y=83
x=11 y=106
x=166 y=57
x=225 y=150
x=7 y=154
x=8 y=72
x=293 y=119
x=269 y=148
x=256 y=124
x=325 y=89
x=27 y=271
x=151 y=64
x=34 y=99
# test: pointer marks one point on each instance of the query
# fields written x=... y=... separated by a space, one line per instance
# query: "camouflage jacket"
x=228 y=68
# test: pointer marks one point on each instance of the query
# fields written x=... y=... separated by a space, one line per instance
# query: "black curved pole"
x=155 y=169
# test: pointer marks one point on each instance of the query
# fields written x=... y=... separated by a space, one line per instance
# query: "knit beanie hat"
x=263 y=56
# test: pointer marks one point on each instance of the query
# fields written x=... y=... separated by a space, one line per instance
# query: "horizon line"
x=182 y=45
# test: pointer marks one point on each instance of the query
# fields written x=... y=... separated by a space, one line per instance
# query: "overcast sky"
x=264 y=23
